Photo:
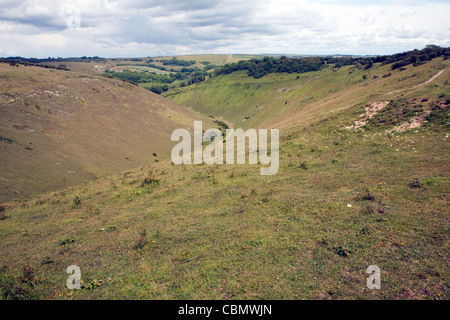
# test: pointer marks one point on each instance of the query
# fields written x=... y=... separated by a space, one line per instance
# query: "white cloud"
x=145 y=28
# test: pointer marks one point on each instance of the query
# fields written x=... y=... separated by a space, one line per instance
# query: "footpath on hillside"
x=283 y=123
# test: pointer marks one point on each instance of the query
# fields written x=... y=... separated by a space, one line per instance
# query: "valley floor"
x=353 y=190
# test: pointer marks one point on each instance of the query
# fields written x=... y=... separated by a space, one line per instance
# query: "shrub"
x=47 y=260
x=76 y=202
x=2 y=213
x=415 y=183
x=366 y=195
x=66 y=240
x=111 y=228
x=343 y=252
x=150 y=181
x=92 y=285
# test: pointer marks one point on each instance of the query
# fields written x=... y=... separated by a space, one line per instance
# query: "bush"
x=76 y=202
x=2 y=213
x=343 y=252
x=366 y=195
x=111 y=228
x=415 y=183
x=150 y=181
x=92 y=285
x=66 y=240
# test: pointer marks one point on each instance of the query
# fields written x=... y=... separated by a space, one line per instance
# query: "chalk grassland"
x=342 y=200
x=59 y=128
x=282 y=99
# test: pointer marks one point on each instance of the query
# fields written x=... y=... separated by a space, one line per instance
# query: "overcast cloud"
x=130 y=28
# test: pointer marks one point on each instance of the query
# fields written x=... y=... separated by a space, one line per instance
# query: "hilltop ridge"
x=363 y=180
x=60 y=128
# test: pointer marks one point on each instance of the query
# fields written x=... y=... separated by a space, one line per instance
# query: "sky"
x=135 y=28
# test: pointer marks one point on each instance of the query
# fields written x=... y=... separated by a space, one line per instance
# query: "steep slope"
x=59 y=128
x=277 y=100
x=354 y=189
x=342 y=200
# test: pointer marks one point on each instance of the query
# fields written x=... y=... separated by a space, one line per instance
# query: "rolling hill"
x=60 y=128
x=281 y=99
x=363 y=181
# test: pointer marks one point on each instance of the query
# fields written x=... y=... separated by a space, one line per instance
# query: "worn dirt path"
x=303 y=112
x=423 y=83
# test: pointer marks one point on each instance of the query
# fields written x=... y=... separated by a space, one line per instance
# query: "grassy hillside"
x=353 y=190
x=60 y=128
x=280 y=99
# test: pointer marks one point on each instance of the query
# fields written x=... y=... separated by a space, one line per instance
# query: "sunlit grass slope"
x=342 y=200
x=59 y=128
x=277 y=100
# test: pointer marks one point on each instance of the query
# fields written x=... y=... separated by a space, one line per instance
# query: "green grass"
x=247 y=102
x=342 y=200
x=85 y=127
x=225 y=232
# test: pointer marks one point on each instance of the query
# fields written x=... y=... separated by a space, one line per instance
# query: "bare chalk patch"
x=371 y=111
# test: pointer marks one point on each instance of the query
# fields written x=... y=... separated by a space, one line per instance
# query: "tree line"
x=258 y=68
x=177 y=62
